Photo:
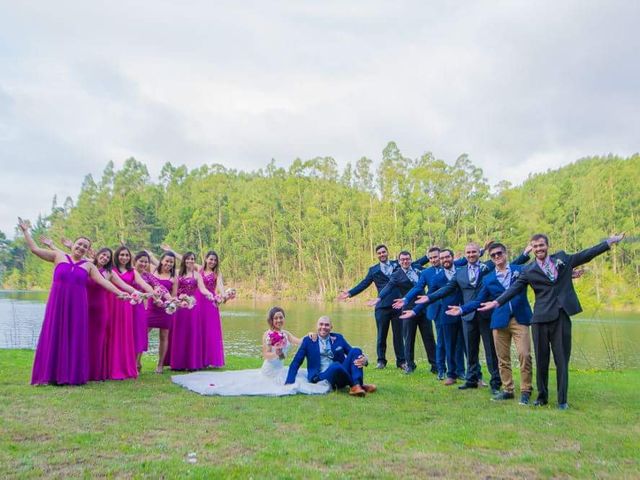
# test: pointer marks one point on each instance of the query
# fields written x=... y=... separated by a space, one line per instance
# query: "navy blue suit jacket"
x=375 y=276
x=311 y=351
x=517 y=307
x=438 y=282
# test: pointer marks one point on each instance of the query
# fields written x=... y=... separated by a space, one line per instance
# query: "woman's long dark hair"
x=172 y=272
x=209 y=253
x=272 y=313
x=116 y=262
x=183 y=263
x=109 y=265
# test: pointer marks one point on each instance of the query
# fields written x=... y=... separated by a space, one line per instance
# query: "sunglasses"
x=496 y=254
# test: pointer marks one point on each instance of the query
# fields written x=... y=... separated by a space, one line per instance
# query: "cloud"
x=520 y=86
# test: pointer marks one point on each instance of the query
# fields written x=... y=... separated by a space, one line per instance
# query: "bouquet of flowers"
x=186 y=301
x=229 y=294
x=277 y=340
x=170 y=306
x=136 y=298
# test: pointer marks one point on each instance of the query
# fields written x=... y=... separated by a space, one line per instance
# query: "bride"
x=268 y=380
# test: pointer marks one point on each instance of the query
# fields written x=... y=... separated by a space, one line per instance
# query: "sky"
x=519 y=86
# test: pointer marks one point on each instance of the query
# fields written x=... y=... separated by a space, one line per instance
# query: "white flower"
x=516 y=274
x=483 y=267
x=559 y=263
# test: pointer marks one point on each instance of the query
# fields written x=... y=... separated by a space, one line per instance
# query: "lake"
x=600 y=340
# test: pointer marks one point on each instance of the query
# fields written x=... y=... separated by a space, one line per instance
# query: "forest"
x=309 y=230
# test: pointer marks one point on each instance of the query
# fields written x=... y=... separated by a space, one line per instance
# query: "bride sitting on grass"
x=268 y=380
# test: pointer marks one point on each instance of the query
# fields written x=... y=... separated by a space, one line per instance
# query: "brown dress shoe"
x=369 y=388
x=357 y=391
x=450 y=381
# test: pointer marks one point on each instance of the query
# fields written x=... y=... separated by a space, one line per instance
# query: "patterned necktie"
x=548 y=269
x=413 y=276
x=473 y=274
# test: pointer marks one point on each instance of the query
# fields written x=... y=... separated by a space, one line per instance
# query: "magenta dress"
x=212 y=343
x=121 y=355
x=98 y=299
x=156 y=316
x=186 y=332
x=62 y=354
x=140 y=328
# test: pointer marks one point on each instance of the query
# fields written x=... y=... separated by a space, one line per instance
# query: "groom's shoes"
x=357 y=391
x=369 y=388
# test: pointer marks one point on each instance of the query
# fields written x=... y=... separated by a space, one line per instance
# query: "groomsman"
x=379 y=274
x=550 y=277
x=510 y=321
x=432 y=313
x=402 y=281
x=451 y=326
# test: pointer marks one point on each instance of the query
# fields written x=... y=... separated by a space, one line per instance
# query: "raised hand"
x=67 y=243
x=422 y=299
x=528 y=248
x=343 y=295
x=485 y=307
x=578 y=272
x=615 y=238
x=46 y=241
x=24 y=225
x=398 y=303
x=374 y=302
x=487 y=244
x=313 y=336
x=407 y=314
x=166 y=247
x=454 y=311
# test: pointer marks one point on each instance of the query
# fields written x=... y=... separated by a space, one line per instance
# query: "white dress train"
x=266 y=381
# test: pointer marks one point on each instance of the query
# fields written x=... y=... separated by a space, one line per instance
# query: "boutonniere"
x=483 y=267
x=515 y=274
x=332 y=338
x=559 y=263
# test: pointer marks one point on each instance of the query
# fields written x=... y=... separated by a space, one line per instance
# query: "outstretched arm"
x=97 y=277
x=152 y=258
x=43 y=253
x=516 y=287
x=589 y=254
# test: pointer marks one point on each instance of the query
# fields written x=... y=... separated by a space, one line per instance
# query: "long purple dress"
x=98 y=299
x=186 y=332
x=212 y=342
x=140 y=328
x=62 y=353
x=121 y=355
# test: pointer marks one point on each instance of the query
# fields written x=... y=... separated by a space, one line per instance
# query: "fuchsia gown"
x=186 y=332
x=121 y=355
x=212 y=342
x=98 y=299
x=62 y=354
x=140 y=312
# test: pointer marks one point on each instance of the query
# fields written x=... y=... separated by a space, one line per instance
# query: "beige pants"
x=502 y=339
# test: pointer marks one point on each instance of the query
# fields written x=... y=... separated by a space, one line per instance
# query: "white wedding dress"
x=268 y=380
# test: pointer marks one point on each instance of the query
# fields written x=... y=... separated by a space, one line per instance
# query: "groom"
x=331 y=358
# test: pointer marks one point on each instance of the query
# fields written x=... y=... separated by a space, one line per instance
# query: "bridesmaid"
x=166 y=284
x=99 y=301
x=121 y=356
x=186 y=332
x=141 y=263
x=62 y=353
x=212 y=340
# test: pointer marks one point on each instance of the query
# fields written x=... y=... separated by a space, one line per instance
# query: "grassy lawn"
x=412 y=427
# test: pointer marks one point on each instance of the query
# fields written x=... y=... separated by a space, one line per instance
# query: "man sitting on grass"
x=331 y=358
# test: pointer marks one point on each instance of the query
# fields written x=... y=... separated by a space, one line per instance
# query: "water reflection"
x=599 y=341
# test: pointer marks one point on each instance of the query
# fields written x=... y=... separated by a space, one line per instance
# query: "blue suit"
x=385 y=314
x=518 y=307
x=341 y=372
x=449 y=328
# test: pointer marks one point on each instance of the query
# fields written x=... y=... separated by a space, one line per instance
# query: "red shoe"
x=369 y=388
x=357 y=391
x=450 y=381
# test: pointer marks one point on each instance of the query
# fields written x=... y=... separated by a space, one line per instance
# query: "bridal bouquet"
x=275 y=338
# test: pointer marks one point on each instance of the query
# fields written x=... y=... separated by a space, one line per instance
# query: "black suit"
x=400 y=282
x=555 y=301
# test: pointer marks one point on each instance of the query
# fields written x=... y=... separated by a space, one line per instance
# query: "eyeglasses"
x=496 y=254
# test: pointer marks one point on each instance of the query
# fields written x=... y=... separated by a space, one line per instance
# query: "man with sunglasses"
x=551 y=278
x=476 y=324
x=510 y=321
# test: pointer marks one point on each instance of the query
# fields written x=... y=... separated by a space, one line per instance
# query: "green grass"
x=412 y=427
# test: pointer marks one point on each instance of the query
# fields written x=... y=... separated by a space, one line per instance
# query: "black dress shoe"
x=540 y=402
x=381 y=365
x=467 y=385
